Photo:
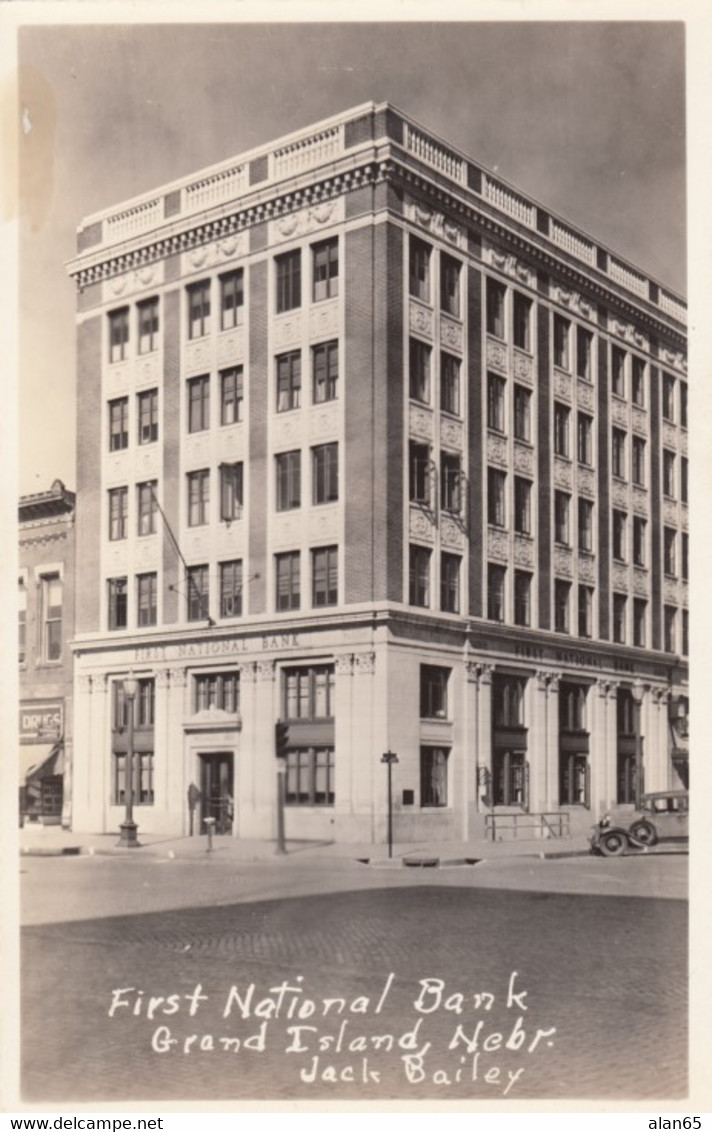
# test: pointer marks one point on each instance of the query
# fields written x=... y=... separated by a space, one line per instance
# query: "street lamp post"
x=389 y=758
x=637 y=692
x=128 y=827
x=281 y=844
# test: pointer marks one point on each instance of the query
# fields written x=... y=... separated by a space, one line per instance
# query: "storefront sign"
x=227 y=646
x=573 y=657
x=41 y=721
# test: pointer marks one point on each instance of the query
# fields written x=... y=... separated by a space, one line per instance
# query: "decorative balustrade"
x=631 y=279
x=573 y=243
x=294 y=158
x=510 y=202
x=214 y=189
x=434 y=154
x=132 y=221
x=672 y=306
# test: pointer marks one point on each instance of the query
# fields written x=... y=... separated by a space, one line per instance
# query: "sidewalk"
x=52 y=841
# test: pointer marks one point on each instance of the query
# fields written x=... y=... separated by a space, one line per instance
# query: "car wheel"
x=613 y=844
x=645 y=832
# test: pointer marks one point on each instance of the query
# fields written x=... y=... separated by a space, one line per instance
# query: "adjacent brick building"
x=375 y=453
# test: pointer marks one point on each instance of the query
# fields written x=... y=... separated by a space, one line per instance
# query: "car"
x=661 y=816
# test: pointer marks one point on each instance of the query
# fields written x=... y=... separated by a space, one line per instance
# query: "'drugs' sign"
x=41 y=721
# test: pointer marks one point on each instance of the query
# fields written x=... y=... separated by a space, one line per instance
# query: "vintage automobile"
x=662 y=816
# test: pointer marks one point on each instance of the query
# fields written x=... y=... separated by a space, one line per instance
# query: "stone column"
x=604 y=747
x=345 y=757
x=484 y=736
x=552 y=742
x=655 y=728
x=178 y=760
x=469 y=744
x=366 y=728
x=100 y=759
x=81 y=786
x=261 y=771
x=538 y=743
x=166 y=760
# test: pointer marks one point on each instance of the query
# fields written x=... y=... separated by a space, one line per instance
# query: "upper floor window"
x=449 y=285
x=670 y=628
x=683 y=479
x=231 y=491
x=419 y=369
x=148 y=326
x=585 y=524
x=51 y=616
x=198 y=497
x=562 y=414
x=618 y=464
x=231 y=589
x=419 y=278
x=496 y=505
x=232 y=299
x=118 y=334
x=118 y=424
x=640 y=617
x=21 y=619
x=450 y=483
x=146 y=508
x=118 y=603
x=668 y=397
x=521 y=321
x=146 y=598
x=289 y=280
x=450 y=582
x=419 y=473
x=325 y=265
x=584 y=346
x=620 y=613
x=496 y=580
x=287 y=580
x=522 y=597
x=433 y=691
x=670 y=551
x=325 y=576
x=562 y=335
x=198 y=593
x=522 y=506
x=450 y=384
x=637 y=381
x=148 y=416
x=683 y=404
x=199 y=309
x=685 y=556
x=638 y=457
x=325 y=368
x=620 y=524
x=419 y=576
x=496 y=387
x=584 y=439
x=561 y=518
x=198 y=404
x=522 y=413
x=309 y=692
x=562 y=594
x=618 y=358
x=325 y=473
x=585 y=612
x=288 y=469
x=496 y=293
x=232 y=394
x=289 y=381
x=639 y=538
x=118 y=513
x=668 y=473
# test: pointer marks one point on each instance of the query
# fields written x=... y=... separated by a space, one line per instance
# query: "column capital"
x=364 y=663
x=178 y=677
x=479 y=673
x=548 y=681
x=84 y=684
x=162 y=677
x=661 y=696
x=607 y=689
x=264 y=670
x=344 y=664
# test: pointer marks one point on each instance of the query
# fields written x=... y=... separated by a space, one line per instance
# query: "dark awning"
x=52 y=764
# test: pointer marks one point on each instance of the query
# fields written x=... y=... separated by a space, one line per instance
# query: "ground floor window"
x=433 y=776
x=217 y=690
x=142 y=778
x=310 y=777
x=510 y=779
x=573 y=779
x=625 y=792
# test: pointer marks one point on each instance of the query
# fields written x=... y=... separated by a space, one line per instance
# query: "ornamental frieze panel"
x=130 y=283
x=436 y=223
x=573 y=301
x=619 y=412
x=670 y=511
x=496 y=355
x=287 y=330
x=523 y=551
x=451 y=534
x=563 y=385
x=671 y=591
x=563 y=562
x=639 y=420
x=231 y=347
x=563 y=474
x=523 y=367
x=496 y=449
x=629 y=333
x=324 y=320
x=198 y=356
x=619 y=494
x=305 y=220
x=497 y=544
x=523 y=459
x=420 y=422
x=685 y=594
x=324 y=523
x=586 y=568
x=683 y=442
x=450 y=334
x=684 y=517
x=324 y=422
x=420 y=525
x=508 y=264
x=585 y=396
x=670 y=435
x=640 y=501
x=619 y=577
x=287 y=429
x=420 y=319
x=451 y=433
x=586 y=482
x=214 y=253
x=641 y=582
x=674 y=358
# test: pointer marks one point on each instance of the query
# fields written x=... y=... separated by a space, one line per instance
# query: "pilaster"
x=654 y=725
x=484 y=735
x=604 y=747
x=552 y=742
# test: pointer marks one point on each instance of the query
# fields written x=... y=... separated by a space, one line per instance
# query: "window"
x=561 y=429
x=232 y=300
x=419 y=269
x=683 y=479
x=289 y=281
x=685 y=632
x=638 y=452
x=495 y=308
x=450 y=384
x=670 y=628
x=585 y=611
x=198 y=593
x=573 y=779
x=419 y=369
x=562 y=592
x=51 y=599
x=217 y=690
x=620 y=522
x=232 y=395
x=148 y=326
x=325 y=576
x=562 y=503
x=618 y=358
x=198 y=404
x=309 y=778
x=118 y=603
x=521 y=320
x=325 y=473
x=638 y=381
x=625 y=712
x=585 y=525
x=522 y=413
x=118 y=513
x=118 y=424
x=450 y=583
x=142 y=785
x=433 y=691
x=198 y=498
x=584 y=439
x=287 y=580
x=325 y=370
x=668 y=473
x=509 y=778
x=620 y=606
x=419 y=576
x=118 y=334
x=584 y=342
x=683 y=404
x=495 y=402
x=508 y=702
x=450 y=483
x=496 y=485
x=618 y=440
x=21 y=619
x=522 y=597
x=146 y=598
x=309 y=692
x=522 y=506
x=419 y=473
x=146 y=508
x=433 y=776
x=231 y=491
x=640 y=613
x=231 y=588
x=668 y=397
x=325 y=265
x=562 y=332
x=669 y=551
x=639 y=528
x=496 y=577
x=685 y=556
x=449 y=285
x=199 y=309
x=572 y=707
x=148 y=416
x=289 y=381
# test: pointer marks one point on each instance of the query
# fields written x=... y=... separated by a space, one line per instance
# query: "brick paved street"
x=605 y=1006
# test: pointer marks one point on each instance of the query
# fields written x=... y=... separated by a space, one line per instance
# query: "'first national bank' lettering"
x=226 y=647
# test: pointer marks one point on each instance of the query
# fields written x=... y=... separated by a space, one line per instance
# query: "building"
x=46 y=626
x=375 y=454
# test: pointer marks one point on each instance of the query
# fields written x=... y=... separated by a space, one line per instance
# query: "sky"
x=587 y=118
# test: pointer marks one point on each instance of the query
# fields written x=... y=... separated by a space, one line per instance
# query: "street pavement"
x=421 y=960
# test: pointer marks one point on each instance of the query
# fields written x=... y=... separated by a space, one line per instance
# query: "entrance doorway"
x=216 y=790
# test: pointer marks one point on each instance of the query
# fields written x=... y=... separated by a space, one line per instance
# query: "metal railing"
x=526 y=827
